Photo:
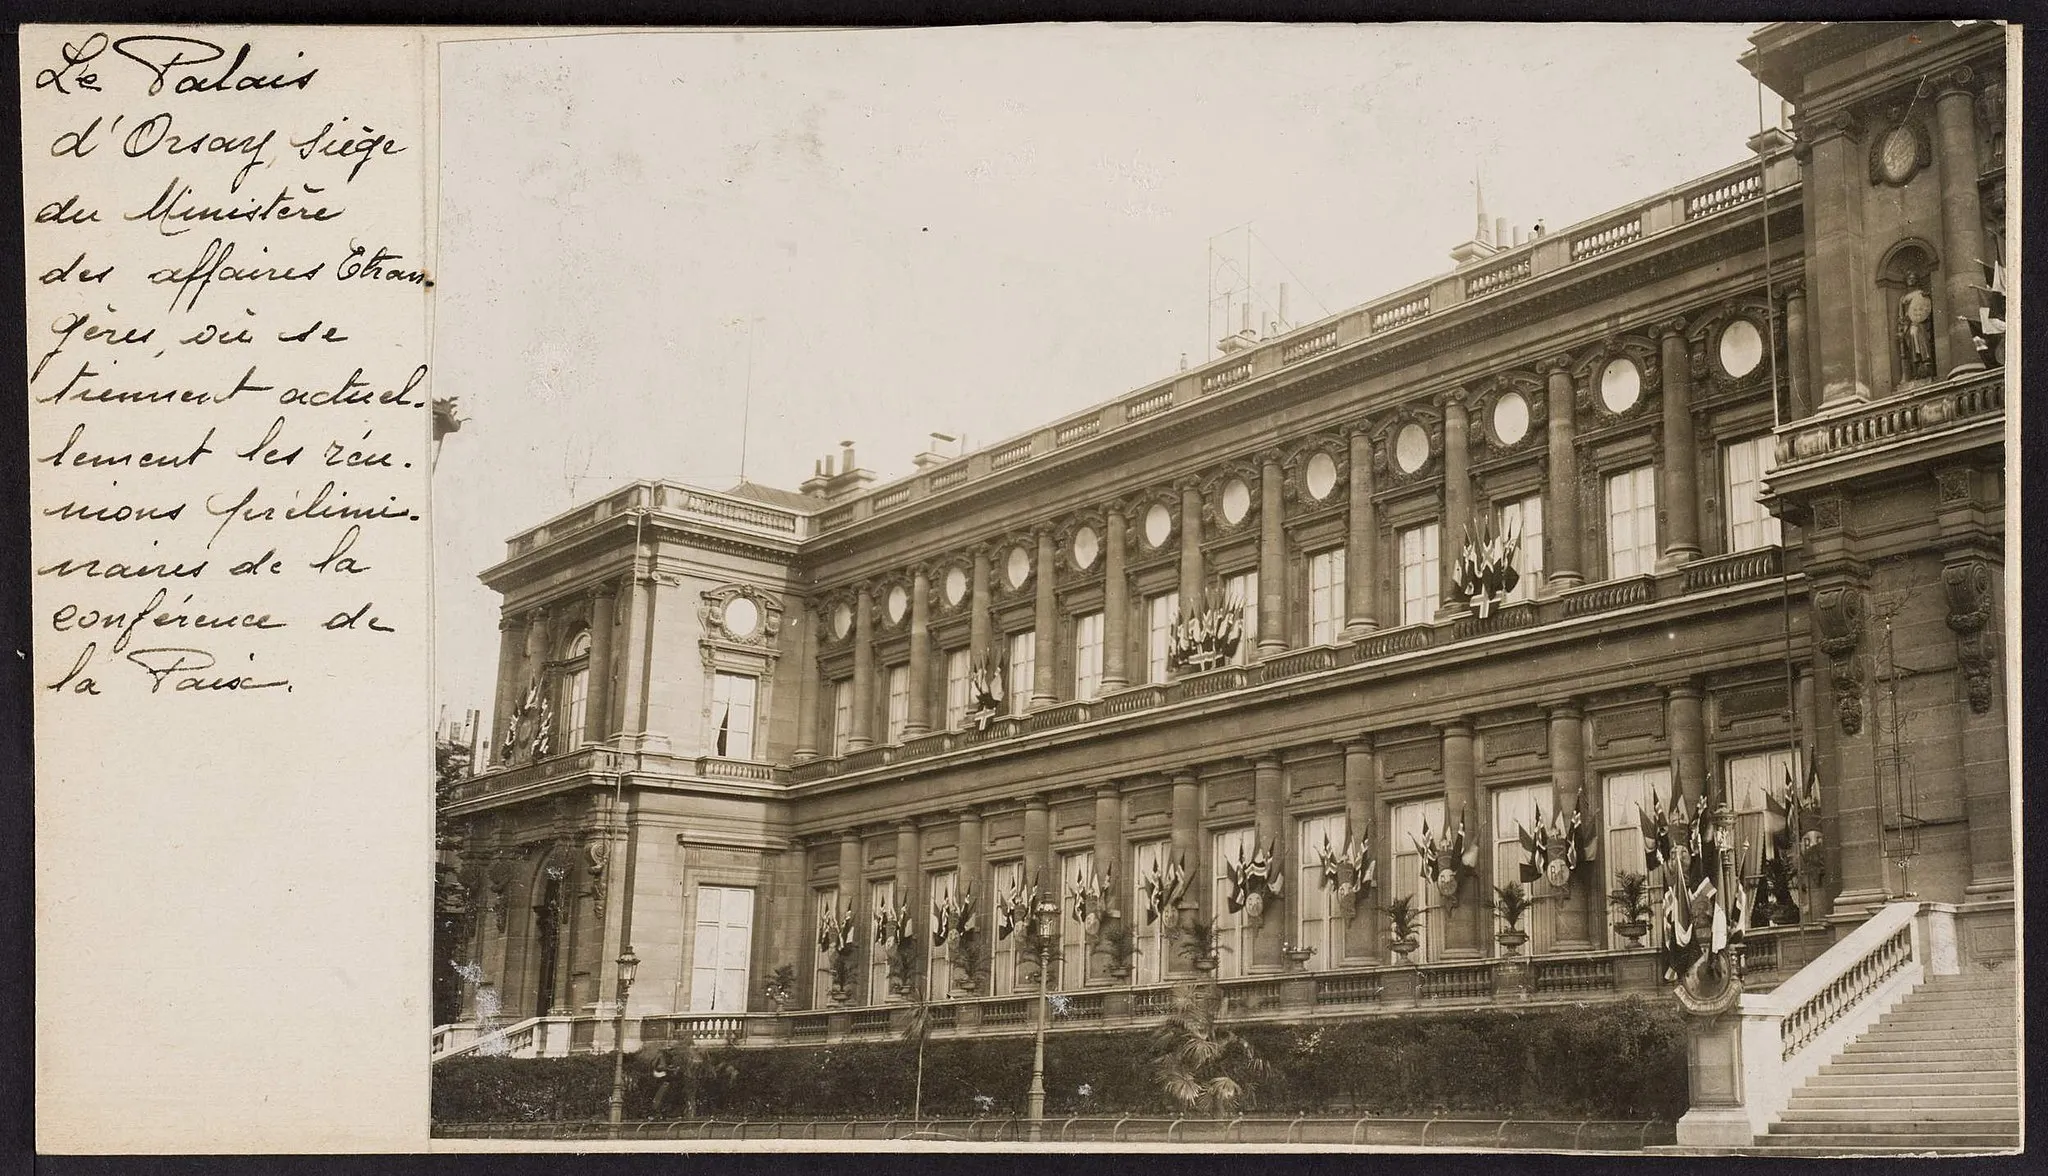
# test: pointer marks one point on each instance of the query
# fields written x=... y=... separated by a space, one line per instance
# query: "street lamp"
x=629 y=964
x=1044 y=924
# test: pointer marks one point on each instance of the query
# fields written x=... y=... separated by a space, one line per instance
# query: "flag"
x=724 y=718
x=1653 y=836
x=1531 y=869
x=1777 y=806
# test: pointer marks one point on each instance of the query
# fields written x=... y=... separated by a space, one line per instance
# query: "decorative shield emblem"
x=1254 y=905
x=1557 y=873
x=1447 y=883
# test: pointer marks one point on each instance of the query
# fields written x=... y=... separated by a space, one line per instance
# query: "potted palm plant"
x=1630 y=900
x=1510 y=902
x=1402 y=921
x=1200 y=943
x=1119 y=945
x=781 y=988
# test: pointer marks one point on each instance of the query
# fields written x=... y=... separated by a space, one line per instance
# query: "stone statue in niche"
x=1916 y=330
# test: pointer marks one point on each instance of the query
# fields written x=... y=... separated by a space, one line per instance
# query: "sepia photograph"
x=1354 y=587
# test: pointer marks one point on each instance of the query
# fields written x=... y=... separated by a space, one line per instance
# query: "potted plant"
x=1120 y=946
x=1510 y=902
x=1630 y=900
x=842 y=976
x=781 y=988
x=1200 y=943
x=1402 y=921
x=1774 y=902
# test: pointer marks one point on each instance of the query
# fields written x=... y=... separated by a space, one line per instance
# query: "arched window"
x=575 y=691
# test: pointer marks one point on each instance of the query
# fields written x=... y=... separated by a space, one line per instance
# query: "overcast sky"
x=969 y=231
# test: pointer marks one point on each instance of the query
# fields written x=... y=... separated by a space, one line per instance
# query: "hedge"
x=1611 y=1060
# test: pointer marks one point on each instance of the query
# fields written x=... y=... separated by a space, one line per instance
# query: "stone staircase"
x=1938 y=1072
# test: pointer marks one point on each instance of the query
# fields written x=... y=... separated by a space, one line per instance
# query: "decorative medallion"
x=1621 y=385
x=741 y=614
x=1898 y=155
x=742 y=618
x=1741 y=348
x=1319 y=477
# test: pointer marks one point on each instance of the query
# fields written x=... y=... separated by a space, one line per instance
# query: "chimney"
x=1284 y=323
x=1500 y=231
x=846 y=462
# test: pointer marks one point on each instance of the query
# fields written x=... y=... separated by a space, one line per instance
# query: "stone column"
x=1109 y=865
x=1190 y=547
x=807 y=620
x=1834 y=265
x=1362 y=938
x=861 y=733
x=978 y=635
x=1361 y=554
x=639 y=627
x=1686 y=730
x=1970 y=579
x=909 y=879
x=1465 y=925
x=1045 y=619
x=1561 y=499
x=1116 y=605
x=971 y=861
x=597 y=722
x=1576 y=912
x=1272 y=561
x=1796 y=358
x=536 y=642
x=1038 y=847
x=791 y=931
x=511 y=656
x=1186 y=848
x=1457 y=500
x=851 y=894
x=918 y=720
x=1269 y=809
x=1680 y=505
x=1962 y=219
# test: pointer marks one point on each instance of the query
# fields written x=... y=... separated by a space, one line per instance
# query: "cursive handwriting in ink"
x=73 y=71
x=166 y=663
x=161 y=55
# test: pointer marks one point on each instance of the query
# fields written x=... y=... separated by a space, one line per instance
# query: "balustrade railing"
x=1144 y=406
x=1137 y=698
x=1498 y=278
x=1348 y=988
x=1455 y=982
x=808 y=1025
x=1607 y=239
x=1738 y=567
x=1201 y=685
x=1299 y=661
x=1013 y=1011
x=1254 y=996
x=1222 y=378
x=1971 y=397
x=1389 y=642
x=1006 y=458
x=1610 y=594
x=1386 y=318
x=1079 y=430
x=1708 y=201
x=1570 y=975
x=1315 y=344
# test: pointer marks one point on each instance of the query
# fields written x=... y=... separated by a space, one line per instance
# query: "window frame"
x=1326 y=572
x=1427 y=569
x=724 y=680
x=1640 y=480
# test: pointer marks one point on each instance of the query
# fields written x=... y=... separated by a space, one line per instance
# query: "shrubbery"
x=1610 y=1060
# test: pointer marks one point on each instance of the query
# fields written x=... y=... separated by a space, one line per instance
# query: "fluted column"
x=1361 y=549
x=1962 y=218
x=1680 y=492
x=1045 y=619
x=1038 y=846
x=918 y=721
x=1686 y=730
x=1187 y=850
x=1464 y=925
x=1576 y=910
x=1796 y=358
x=861 y=732
x=1269 y=812
x=1362 y=939
x=1561 y=553
x=1190 y=547
x=807 y=683
x=1457 y=500
x=598 y=703
x=978 y=635
x=1116 y=605
x=1272 y=559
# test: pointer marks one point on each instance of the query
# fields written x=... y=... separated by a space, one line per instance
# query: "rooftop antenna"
x=747 y=400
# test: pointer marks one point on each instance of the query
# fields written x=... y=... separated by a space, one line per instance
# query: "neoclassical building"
x=1748 y=432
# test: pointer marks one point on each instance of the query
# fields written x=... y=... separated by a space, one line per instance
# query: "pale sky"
x=969 y=231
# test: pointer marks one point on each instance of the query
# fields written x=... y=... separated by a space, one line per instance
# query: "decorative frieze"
x=1632 y=722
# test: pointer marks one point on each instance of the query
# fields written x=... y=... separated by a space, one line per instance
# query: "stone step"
x=1922 y=1072
x=1922 y=1117
x=1868 y=1126
x=1929 y=1051
x=1885 y=1098
x=1915 y=1037
x=1806 y=1147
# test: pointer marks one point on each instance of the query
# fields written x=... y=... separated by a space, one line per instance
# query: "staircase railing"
x=1789 y=1033
x=534 y=1037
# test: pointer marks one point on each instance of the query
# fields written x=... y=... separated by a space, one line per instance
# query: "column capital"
x=1568 y=708
x=1271 y=459
x=906 y=825
x=1960 y=80
x=1268 y=760
x=1109 y=790
x=1454 y=396
x=967 y=812
x=1816 y=129
x=849 y=834
x=1683 y=688
x=1555 y=365
x=511 y=622
x=1360 y=743
x=1186 y=775
x=604 y=590
x=1037 y=802
x=1460 y=726
x=1673 y=326
x=1792 y=288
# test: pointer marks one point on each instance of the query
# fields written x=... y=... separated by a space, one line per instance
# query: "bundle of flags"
x=891 y=925
x=835 y=930
x=1162 y=887
x=1987 y=330
x=1208 y=637
x=953 y=915
x=1014 y=907
x=1347 y=871
x=1446 y=861
x=1657 y=823
x=1553 y=851
x=1792 y=845
x=985 y=686
x=1698 y=919
x=1252 y=879
x=1485 y=570
x=1089 y=895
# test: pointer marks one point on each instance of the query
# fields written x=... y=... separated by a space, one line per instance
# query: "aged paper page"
x=229 y=427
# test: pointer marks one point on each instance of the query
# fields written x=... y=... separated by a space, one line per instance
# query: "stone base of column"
x=1556 y=582
x=1041 y=701
x=1358 y=629
x=1112 y=685
x=913 y=730
x=1965 y=368
x=1715 y=1127
x=1842 y=395
x=1677 y=557
x=1451 y=610
x=858 y=743
x=1271 y=649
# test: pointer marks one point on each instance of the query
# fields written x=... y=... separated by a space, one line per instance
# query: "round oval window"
x=1086 y=547
x=1621 y=385
x=1411 y=448
x=1018 y=569
x=1742 y=348
x=1321 y=476
x=742 y=617
x=1237 y=501
x=899 y=603
x=956 y=586
x=842 y=621
x=1510 y=418
x=1158 y=525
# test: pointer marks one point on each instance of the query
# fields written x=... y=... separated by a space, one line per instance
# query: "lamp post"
x=1044 y=924
x=628 y=965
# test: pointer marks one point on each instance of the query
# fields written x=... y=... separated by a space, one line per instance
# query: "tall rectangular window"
x=1243 y=589
x=1233 y=931
x=881 y=897
x=1749 y=778
x=1628 y=796
x=1515 y=809
x=1153 y=944
x=842 y=715
x=957 y=664
x=1002 y=949
x=1524 y=517
x=1419 y=587
x=732 y=715
x=944 y=887
x=1744 y=464
x=899 y=703
x=1088 y=655
x=1407 y=823
x=823 y=903
x=720 y=949
x=1023 y=670
x=1319 y=923
x=1159 y=612
x=1632 y=522
x=577 y=710
x=1325 y=596
x=1070 y=971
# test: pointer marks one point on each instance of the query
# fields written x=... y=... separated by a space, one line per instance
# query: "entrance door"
x=720 y=951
